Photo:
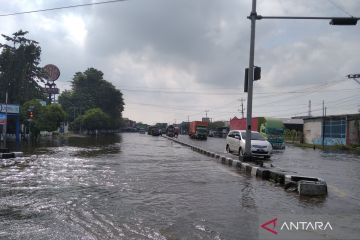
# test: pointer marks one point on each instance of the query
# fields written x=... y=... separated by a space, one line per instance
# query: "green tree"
x=45 y=118
x=20 y=73
x=95 y=119
x=51 y=117
x=90 y=90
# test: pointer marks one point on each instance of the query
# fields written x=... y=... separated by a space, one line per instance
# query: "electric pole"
x=242 y=107
x=206 y=112
x=309 y=113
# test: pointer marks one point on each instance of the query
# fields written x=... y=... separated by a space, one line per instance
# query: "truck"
x=198 y=130
x=170 y=131
x=272 y=129
x=154 y=131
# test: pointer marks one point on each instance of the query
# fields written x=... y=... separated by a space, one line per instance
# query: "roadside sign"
x=2 y=119
x=52 y=90
x=11 y=108
x=52 y=72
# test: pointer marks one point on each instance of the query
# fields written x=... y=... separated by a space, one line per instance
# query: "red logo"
x=271 y=222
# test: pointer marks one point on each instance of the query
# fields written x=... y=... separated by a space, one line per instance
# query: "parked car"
x=260 y=147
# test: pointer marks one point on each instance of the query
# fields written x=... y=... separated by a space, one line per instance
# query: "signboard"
x=11 y=108
x=52 y=90
x=52 y=72
x=2 y=119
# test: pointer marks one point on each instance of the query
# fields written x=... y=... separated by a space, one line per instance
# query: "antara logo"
x=271 y=222
x=270 y=226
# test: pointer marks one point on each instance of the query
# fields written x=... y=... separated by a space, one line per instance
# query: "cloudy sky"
x=176 y=59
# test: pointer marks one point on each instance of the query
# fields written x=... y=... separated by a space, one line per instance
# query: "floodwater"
x=135 y=186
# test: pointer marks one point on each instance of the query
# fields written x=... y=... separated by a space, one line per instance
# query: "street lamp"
x=253 y=17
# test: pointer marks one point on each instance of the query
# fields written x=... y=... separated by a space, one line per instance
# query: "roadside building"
x=332 y=130
x=296 y=124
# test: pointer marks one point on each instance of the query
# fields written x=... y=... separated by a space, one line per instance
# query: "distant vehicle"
x=260 y=147
x=198 y=130
x=142 y=131
x=154 y=131
x=272 y=129
x=170 y=131
x=176 y=131
x=211 y=133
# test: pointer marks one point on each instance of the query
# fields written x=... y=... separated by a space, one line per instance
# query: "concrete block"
x=311 y=188
x=229 y=161
x=244 y=165
x=253 y=171
x=236 y=163
x=4 y=150
x=295 y=178
x=7 y=155
x=277 y=177
x=248 y=169
x=263 y=173
x=19 y=154
x=217 y=156
x=223 y=159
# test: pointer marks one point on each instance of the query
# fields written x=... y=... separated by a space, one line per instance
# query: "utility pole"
x=252 y=17
x=188 y=118
x=206 y=112
x=309 y=113
x=323 y=124
x=242 y=107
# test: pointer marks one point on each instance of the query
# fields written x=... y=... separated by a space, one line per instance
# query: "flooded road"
x=134 y=186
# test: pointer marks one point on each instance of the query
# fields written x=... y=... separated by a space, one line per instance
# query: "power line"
x=340 y=8
x=59 y=8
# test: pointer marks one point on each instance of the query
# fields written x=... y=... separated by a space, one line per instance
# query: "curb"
x=303 y=185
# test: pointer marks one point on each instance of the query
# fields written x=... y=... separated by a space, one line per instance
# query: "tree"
x=20 y=73
x=95 y=119
x=90 y=90
x=45 y=118
x=51 y=117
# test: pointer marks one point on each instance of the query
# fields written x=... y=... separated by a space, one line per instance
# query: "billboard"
x=11 y=108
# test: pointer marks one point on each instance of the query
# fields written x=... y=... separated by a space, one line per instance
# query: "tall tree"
x=20 y=73
x=90 y=90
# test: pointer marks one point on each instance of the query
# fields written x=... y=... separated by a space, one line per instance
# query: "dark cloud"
x=196 y=45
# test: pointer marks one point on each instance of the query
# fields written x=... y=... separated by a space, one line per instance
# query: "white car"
x=260 y=147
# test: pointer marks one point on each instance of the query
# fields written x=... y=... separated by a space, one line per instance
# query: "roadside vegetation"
x=91 y=104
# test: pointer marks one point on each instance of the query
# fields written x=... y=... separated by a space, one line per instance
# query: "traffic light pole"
x=253 y=17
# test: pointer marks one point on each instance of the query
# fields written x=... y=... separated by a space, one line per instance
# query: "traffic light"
x=257 y=76
x=30 y=113
x=344 y=21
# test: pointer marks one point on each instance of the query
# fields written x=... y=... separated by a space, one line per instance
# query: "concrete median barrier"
x=263 y=173
x=312 y=188
x=305 y=186
x=277 y=177
x=7 y=155
x=253 y=171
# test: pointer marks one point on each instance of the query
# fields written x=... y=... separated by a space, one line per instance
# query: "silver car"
x=260 y=147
